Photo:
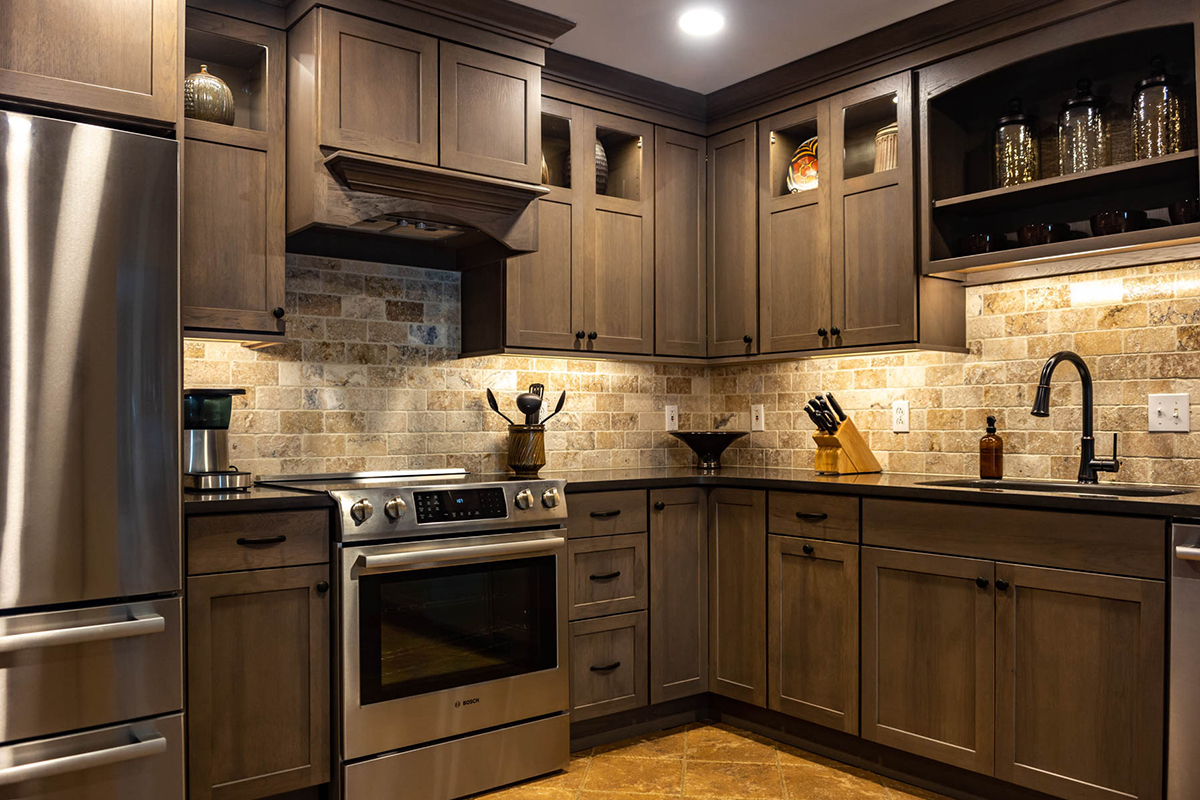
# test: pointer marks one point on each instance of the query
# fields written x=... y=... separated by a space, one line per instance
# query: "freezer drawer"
x=139 y=761
x=65 y=670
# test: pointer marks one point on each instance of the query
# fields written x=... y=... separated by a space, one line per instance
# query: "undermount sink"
x=1061 y=487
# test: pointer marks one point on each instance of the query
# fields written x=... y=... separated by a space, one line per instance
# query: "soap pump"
x=991 y=453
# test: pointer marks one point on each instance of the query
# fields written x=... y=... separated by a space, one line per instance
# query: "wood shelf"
x=229 y=135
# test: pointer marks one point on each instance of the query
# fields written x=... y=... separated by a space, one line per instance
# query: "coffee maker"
x=206 y=467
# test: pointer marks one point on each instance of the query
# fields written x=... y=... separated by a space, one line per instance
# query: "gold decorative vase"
x=526 y=449
x=207 y=97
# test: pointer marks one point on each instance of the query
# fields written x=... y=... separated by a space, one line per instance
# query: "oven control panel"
x=460 y=505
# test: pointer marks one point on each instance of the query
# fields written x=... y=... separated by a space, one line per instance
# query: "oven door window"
x=431 y=629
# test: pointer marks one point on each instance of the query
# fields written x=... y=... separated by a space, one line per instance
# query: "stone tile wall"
x=371 y=380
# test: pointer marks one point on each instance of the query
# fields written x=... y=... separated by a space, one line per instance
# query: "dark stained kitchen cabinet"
x=1079 y=683
x=733 y=242
x=609 y=665
x=103 y=57
x=928 y=634
x=737 y=596
x=678 y=593
x=812 y=634
x=680 y=241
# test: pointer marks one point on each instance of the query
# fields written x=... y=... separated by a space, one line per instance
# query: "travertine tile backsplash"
x=371 y=381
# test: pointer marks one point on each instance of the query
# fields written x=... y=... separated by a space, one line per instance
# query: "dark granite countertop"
x=894 y=485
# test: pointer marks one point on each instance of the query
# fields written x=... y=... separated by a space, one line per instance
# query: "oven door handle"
x=393 y=561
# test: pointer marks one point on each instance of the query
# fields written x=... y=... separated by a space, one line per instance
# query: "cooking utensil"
x=496 y=406
x=529 y=404
x=819 y=417
x=813 y=416
x=562 y=399
x=827 y=411
x=537 y=388
x=837 y=409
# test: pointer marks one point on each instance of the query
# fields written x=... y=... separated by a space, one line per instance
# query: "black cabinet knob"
x=747 y=338
x=322 y=586
x=835 y=331
x=1002 y=584
x=808 y=549
x=278 y=312
x=580 y=334
x=822 y=332
x=660 y=505
x=592 y=336
x=982 y=583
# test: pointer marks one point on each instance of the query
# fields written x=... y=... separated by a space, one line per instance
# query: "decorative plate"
x=802 y=174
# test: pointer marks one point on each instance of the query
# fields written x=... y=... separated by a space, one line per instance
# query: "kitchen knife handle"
x=836 y=406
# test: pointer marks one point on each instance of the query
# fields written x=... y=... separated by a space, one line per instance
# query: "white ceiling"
x=642 y=36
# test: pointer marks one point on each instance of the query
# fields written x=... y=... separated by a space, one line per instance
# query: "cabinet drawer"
x=608 y=575
x=1134 y=546
x=814 y=516
x=606 y=513
x=609 y=665
x=234 y=542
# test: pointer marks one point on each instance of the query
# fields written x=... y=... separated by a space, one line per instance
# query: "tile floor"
x=707 y=760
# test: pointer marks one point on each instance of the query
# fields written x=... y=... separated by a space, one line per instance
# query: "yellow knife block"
x=844 y=452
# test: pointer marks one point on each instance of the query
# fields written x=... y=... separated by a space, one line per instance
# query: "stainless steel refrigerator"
x=91 y=672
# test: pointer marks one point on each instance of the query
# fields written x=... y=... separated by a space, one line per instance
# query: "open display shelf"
x=556 y=149
x=784 y=142
x=624 y=153
x=243 y=67
x=862 y=123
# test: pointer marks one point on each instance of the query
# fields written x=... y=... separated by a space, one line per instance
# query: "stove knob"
x=362 y=511
x=395 y=508
x=550 y=498
x=524 y=500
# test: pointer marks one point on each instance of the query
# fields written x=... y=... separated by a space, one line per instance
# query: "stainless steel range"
x=452 y=630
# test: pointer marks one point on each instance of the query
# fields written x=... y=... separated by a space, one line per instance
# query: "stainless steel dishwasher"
x=1183 y=768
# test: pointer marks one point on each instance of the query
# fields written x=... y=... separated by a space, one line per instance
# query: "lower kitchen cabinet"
x=608 y=575
x=1079 y=683
x=609 y=665
x=928 y=633
x=737 y=601
x=258 y=682
x=678 y=593
x=812 y=633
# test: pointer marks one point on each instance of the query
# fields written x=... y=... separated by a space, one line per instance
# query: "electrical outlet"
x=900 y=416
x=672 y=418
x=1169 y=412
x=756 y=418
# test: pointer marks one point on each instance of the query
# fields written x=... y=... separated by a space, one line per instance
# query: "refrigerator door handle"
x=140 y=625
x=150 y=746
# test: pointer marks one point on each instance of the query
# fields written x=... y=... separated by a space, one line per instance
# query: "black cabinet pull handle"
x=660 y=505
x=747 y=338
x=592 y=336
x=604 y=514
x=608 y=576
x=580 y=334
x=251 y=541
x=822 y=332
x=1002 y=584
x=805 y=517
x=606 y=667
x=278 y=312
x=835 y=331
x=982 y=582
x=322 y=586
x=808 y=549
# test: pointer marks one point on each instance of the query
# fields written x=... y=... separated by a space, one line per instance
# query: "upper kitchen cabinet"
x=732 y=242
x=680 y=241
x=110 y=58
x=232 y=251
x=1103 y=201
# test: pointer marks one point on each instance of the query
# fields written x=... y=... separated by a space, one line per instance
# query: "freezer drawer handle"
x=391 y=561
x=1187 y=553
x=140 y=626
x=151 y=746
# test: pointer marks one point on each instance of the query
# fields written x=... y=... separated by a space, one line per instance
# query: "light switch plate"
x=1169 y=412
x=672 y=418
x=756 y=418
x=900 y=416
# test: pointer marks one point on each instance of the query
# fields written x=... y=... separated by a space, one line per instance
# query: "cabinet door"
x=540 y=285
x=733 y=242
x=377 y=88
x=794 y=266
x=258 y=682
x=489 y=111
x=737 y=594
x=108 y=57
x=874 y=252
x=1079 y=683
x=608 y=665
x=616 y=280
x=812 y=633
x=678 y=593
x=927 y=658
x=680 y=296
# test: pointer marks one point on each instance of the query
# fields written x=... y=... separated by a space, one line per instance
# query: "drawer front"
x=64 y=670
x=236 y=542
x=813 y=516
x=606 y=513
x=1133 y=546
x=608 y=575
x=609 y=665
x=137 y=760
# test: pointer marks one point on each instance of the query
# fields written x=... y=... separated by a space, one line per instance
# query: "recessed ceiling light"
x=701 y=21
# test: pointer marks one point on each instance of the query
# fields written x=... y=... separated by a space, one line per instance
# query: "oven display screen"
x=455 y=505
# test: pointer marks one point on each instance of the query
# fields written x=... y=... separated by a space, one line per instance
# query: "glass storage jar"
x=1015 y=156
x=1160 y=113
x=1083 y=134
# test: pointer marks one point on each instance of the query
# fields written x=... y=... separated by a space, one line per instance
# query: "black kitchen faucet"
x=1089 y=465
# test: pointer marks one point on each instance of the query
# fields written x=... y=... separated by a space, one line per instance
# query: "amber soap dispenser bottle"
x=991 y=453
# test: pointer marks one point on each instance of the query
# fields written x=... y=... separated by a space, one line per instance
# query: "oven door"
x=446 y=637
